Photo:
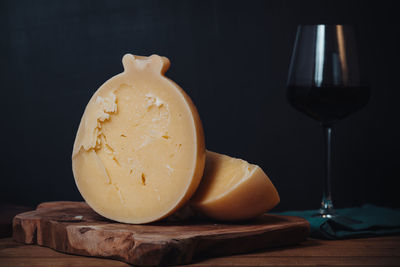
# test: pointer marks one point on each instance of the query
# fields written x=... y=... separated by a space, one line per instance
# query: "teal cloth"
x=372 y=221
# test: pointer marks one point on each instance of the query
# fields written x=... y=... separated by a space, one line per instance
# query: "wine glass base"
x=336 y=217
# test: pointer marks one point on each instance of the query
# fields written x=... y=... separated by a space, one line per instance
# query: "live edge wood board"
x=73 y=227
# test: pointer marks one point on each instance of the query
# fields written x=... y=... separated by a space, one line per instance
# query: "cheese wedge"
x=232 y=189
x=139 y=152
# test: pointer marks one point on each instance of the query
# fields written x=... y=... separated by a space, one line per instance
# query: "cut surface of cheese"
x=232 y=189
x=139 y=152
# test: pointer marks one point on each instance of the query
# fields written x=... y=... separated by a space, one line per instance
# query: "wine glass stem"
x=326 y=202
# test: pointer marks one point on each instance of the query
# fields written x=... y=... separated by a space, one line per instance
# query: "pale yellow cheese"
x=233 y=189
x=139 y=152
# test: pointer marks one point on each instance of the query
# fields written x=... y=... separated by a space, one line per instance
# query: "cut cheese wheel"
x=233 y=189
x=139 y=152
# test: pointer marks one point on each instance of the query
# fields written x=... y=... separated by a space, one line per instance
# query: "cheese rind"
x=232 y=189
x=139 y=152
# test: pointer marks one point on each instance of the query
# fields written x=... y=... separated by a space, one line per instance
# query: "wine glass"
x=324 y=83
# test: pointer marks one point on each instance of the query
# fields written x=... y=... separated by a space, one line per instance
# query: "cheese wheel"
x=232 y=189
x=139 y=152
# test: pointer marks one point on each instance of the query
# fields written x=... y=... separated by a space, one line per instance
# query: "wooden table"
x=376 y=251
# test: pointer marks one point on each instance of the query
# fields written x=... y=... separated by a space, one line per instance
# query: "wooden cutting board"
x=73 y=227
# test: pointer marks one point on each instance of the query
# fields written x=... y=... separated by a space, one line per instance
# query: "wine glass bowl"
x=324 y=83
x=324 y=79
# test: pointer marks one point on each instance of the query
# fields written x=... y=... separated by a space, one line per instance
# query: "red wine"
x=328 y=104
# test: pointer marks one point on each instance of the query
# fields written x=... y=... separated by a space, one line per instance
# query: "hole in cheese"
x=143 y=179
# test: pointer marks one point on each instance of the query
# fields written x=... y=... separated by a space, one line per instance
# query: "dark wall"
x=231 y=57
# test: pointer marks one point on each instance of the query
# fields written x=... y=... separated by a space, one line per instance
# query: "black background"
x=231 y=57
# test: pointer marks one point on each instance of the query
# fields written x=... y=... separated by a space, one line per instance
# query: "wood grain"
x=74 y=228
x=377 y=251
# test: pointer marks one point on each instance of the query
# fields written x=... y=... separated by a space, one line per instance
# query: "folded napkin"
x=367 y=220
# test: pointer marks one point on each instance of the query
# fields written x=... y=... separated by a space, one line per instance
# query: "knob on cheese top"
x=139 y=152
x=232 y=189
